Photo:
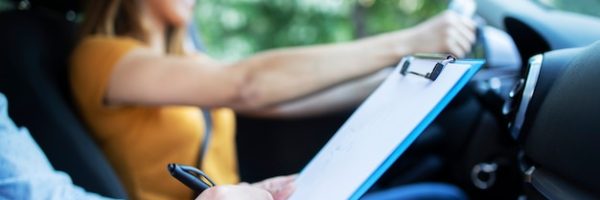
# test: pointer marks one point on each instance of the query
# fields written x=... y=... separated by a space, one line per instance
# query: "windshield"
x=586 y=7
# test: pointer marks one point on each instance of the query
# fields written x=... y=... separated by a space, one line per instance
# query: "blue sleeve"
x=25 y=172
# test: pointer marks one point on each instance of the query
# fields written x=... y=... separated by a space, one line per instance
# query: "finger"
x=466 y=26
x=290 y=178
x=285 y=193
x=283 y=179
x=460 y=40
x=467 y=33
x=456 y=50
x=281 y=183
x=467 y=22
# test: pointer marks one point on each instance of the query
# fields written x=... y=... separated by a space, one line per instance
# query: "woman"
x=139 y=90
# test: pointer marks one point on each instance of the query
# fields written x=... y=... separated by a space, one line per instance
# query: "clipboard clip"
x=435 y=72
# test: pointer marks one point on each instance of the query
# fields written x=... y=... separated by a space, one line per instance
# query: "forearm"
x=282 y=75
x=143 y=77
x=338 y=98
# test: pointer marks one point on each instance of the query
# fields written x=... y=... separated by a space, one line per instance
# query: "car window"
x=234 y=29
x=586 y=7
x=5 y=5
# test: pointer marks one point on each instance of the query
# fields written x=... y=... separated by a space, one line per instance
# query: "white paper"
x=374 y=131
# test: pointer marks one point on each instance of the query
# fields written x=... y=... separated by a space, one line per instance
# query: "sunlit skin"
x=278 y=83
x=260 y=84
x=174 y=12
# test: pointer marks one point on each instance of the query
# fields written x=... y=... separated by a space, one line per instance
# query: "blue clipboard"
x=328 y=167
x=476 y=65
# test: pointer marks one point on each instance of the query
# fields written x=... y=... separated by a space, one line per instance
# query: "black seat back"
x=35 y=46
x=562 y=131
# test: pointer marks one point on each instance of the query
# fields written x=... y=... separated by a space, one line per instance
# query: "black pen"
x=191 y=177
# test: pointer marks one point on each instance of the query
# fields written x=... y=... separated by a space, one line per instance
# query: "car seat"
x=36 y=42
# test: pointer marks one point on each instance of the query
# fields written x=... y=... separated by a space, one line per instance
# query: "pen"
x=191 y=177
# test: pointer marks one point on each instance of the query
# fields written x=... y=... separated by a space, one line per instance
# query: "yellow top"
x=140 y=141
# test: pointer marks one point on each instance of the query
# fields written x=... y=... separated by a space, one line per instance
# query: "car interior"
x=525 y=128
x=38 y=41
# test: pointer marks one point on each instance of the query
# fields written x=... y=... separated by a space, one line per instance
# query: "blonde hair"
x=122 y=18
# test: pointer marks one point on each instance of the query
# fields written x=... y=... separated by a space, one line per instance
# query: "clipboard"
x=383 y=127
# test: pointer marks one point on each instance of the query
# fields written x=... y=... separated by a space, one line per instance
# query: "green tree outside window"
x=233 y=29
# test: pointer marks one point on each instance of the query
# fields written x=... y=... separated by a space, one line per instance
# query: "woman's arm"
x=144 y=77
x=272 y=77
x=338 y=98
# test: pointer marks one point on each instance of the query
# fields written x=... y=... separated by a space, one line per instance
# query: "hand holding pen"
x=278 y=188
